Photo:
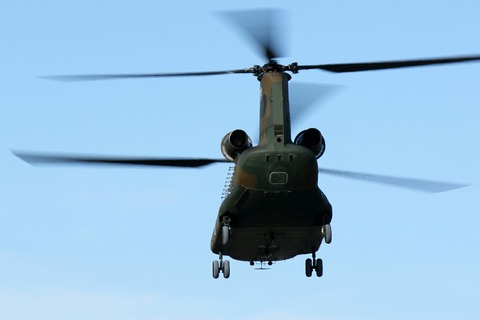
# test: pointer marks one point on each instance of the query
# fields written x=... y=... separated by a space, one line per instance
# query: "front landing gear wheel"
x=313 y=264
x=308 y=267
x=221 y=266
x=319 y=267
x=226 y=269
x=215 y=269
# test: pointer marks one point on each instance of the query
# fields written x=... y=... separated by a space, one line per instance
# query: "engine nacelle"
x=234 y=143
x=313 y=140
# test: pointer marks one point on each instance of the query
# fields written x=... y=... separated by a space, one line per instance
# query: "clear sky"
x=133 y=243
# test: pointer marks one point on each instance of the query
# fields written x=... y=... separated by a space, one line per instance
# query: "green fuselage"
x=275 y=207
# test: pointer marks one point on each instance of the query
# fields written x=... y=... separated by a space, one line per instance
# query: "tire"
x=327 y=233
x=319 y=268
x=308 y=267
x=225 y=235
x=226 y=269
x=215 y=269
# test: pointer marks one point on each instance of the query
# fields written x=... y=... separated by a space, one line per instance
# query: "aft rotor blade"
x=36 y=158
x=89 y=77
x=369 y=66
x=265 y=27
x=408 y=183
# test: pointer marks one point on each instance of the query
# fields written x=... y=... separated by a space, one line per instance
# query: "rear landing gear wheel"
x=327 y=233
x=225 y=234
x=225 y=230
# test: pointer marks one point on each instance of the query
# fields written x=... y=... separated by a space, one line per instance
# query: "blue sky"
x=133 y=243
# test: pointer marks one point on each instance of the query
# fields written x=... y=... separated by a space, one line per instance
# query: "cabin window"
x=278 y=178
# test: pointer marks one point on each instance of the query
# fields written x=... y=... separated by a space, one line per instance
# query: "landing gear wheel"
x=226 y=269
x=308 y=267
x=319 y=267
x=225 y=230
x=313 y=264
x=215 y=269
x=327 y=233
x=221 y=266
x=225 y=234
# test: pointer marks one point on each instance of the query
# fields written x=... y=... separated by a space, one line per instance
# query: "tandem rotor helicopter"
x=273 y=208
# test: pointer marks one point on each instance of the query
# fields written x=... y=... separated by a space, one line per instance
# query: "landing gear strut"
x=221 y=266
x=313 y=264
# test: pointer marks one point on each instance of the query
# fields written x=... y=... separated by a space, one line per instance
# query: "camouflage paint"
x=274 y=109
x=275 y=207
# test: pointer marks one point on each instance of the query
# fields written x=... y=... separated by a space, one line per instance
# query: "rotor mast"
x=274 y=108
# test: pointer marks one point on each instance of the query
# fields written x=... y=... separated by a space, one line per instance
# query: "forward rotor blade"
x=35 y=158
x=89 y=77
x=369 y=66
x=265 y=27
x=408 y=183
x=304 y=96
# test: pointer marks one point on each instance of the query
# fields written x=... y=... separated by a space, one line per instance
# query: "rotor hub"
x=273 y=66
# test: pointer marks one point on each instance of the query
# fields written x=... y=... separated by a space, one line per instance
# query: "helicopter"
x=273 y=208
